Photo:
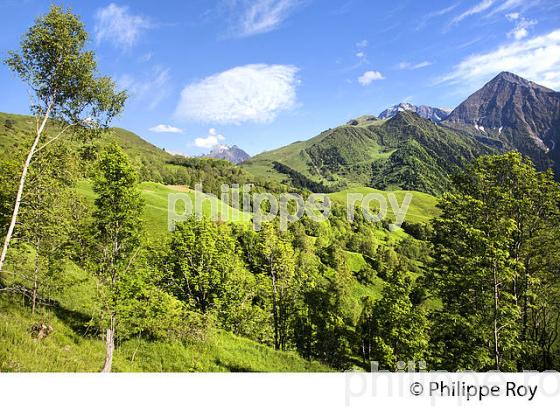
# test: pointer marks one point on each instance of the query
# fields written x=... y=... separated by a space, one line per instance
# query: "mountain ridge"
x=405 y=151
x=430 y=113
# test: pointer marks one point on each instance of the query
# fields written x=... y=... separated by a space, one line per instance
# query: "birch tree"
x=67 y=92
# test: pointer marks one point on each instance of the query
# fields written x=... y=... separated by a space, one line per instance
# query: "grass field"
x=68 y=350
x=422 y=206
x=156 y=205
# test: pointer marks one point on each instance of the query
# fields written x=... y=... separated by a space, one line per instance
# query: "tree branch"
x=55 y=138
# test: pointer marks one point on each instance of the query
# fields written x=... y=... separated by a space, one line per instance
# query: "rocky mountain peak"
x=430 y=113
x=231 y=153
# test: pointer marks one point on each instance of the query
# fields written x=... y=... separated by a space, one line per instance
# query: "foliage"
x=62 y=75
x=392 y=329
x=492 y=264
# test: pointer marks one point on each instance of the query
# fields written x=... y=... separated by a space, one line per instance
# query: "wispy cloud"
x=437 y=13
x=405 y=65
x=117 y=25
x=370 y=76
x=512 y=4
x=149 y=88
x=251 y=93
x=513 y=16
x=164 y=128
x=537 y=59
x=252 y=17
x=209 y=141
x=476 y=9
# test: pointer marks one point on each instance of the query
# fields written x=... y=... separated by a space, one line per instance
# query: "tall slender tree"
x=278 y=263
x=67 y=91
x=117 y=233
x=46 y=217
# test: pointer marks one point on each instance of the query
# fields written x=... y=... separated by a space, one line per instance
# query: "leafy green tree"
x=323 y=326
x=278 y=264
x=203 y=262
x=144 y=309
x=117 y=227
x=492 y=262
x=47 y=217
x=63 y=80
x=392 y=329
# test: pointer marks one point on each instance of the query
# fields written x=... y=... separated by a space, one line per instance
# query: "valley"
x=93 y=265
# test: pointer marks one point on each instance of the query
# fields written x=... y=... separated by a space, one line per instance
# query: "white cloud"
x=521 y=28
x=512 y=16
x=150 y=88
x=405 y=65
x=478 y=8
x=256 y=92
x=369 y=76
x=260 y=16
x=537 y=59
x=518 y=33
x=210 y=141
x=362 y=44
x=115 y=24
x=164 y=128
x=361 y=54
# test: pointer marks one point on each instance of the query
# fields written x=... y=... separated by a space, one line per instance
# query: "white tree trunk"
x=496 y=331
x=21 y=186
x=109 y=347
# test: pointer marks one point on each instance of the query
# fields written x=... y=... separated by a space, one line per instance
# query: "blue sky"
x=264 y=73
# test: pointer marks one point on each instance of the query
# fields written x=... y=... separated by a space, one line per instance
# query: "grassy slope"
x=422 y=206
x=156 y=205
x=296 y=157
x=21 y=131
x=70 y=348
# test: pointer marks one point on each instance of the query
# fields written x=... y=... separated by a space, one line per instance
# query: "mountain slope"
x=430 y=113
x=16 y=133
x=521 y=114
x=406 y=152
x=153 y=164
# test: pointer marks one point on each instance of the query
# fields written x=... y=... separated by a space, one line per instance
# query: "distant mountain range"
x=409 y=147
x=408 y=150
x=430 y=113
x=232 y=153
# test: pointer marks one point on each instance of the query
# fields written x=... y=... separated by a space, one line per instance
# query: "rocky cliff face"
x=521 y=113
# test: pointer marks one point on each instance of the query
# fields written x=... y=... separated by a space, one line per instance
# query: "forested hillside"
x=94 y=277
x=403 y=152
x=336 y=260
